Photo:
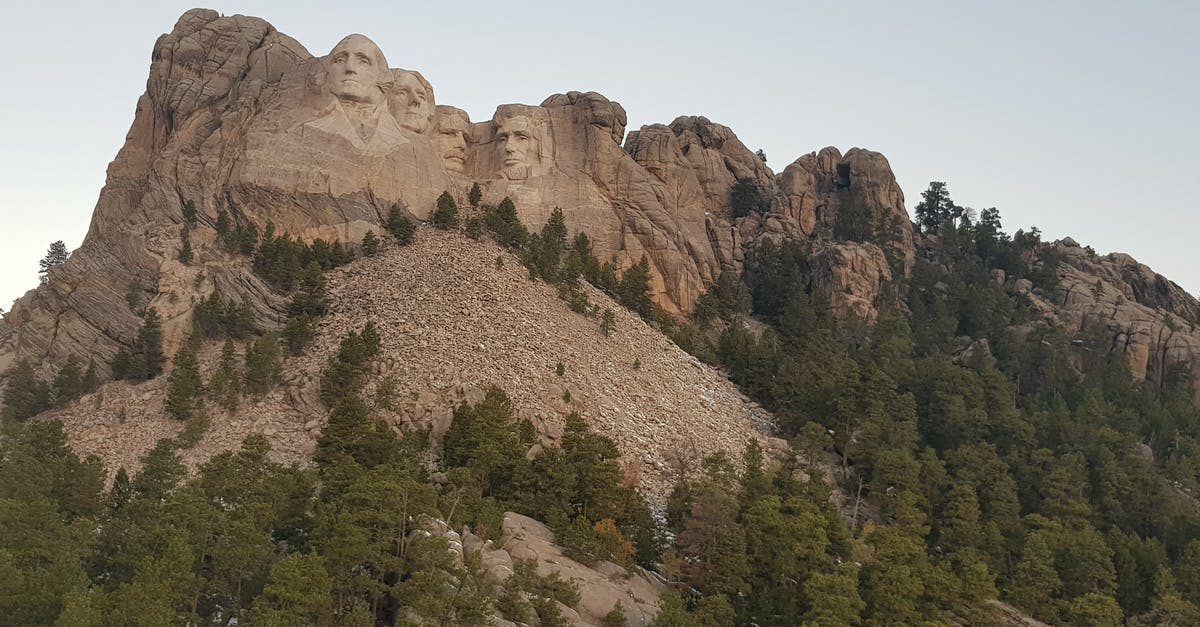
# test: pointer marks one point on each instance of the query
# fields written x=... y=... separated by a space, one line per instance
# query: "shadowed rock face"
x=240 y=118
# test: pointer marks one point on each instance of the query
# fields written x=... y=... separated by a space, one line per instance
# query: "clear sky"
x=1079 y=117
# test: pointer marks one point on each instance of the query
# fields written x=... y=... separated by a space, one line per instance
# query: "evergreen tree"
x=25 y=395
x=146 y=359
x=712 y=544
x=746 y=197
x=475 y=195
x=505 y=226
x=310 y=296
x=446 y=215
x=189 y=213
x=299 y=592
x=263 y=367
x=225 y=386
x=401 y=226
x=833 y=597
x=370 y=244
x=1035 y=584
x=935 y=208
x=634 y=289
x=185 y=249
x=854 y=221
x=55 y=256
x=483 y=438
x=299 y=332
x=185 y=388
x=70 y=382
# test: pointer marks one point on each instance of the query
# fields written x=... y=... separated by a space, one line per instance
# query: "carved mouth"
x=512 y=161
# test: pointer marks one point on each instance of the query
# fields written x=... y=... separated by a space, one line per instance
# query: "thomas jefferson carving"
x=412 y=101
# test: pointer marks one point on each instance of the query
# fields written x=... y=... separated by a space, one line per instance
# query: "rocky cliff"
x=1137 y=311
x=240 y=119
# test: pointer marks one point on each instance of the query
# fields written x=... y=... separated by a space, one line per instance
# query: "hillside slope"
x=457 y=316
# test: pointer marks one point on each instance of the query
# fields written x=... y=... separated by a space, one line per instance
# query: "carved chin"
x=454 y=163
x=516 y=171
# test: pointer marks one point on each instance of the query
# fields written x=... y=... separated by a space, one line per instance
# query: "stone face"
x=241 y=119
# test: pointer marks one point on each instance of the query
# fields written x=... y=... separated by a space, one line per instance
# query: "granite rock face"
x=1139 y=312
x=241 y=120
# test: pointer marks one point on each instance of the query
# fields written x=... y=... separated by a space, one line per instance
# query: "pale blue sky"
x=1079 y=117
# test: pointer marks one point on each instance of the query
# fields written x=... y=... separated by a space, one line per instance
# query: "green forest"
x=950 y=453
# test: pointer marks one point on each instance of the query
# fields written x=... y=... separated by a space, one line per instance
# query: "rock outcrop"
x=601 y=587
x=815 y=188
x=1140 y=313
x=852 y=274
x=241 y=120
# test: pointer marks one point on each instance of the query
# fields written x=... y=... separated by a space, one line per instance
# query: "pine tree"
x=475 y=195
x=263 y=367
x=608 y=322
x=26 y=395
x=401 y=226
x=189 y=213
x=69 y=383
x=935 y=208
x=634 y=289
x=1035 y=584
x=184 y=385
x=833 y=597
x=370 y=244
x=505 y=226
x=147 y=358
x=299 y=592
x=445 y=217
x=746 y=197
x=225 y=386
x=185 y=249
x=55 y=256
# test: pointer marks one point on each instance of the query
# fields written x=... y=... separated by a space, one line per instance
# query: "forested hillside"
x=953 y=451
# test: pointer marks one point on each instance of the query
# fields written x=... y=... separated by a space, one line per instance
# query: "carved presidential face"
x=413 y=102
x=451 y=139
x=518 y=145
x=356 y=71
